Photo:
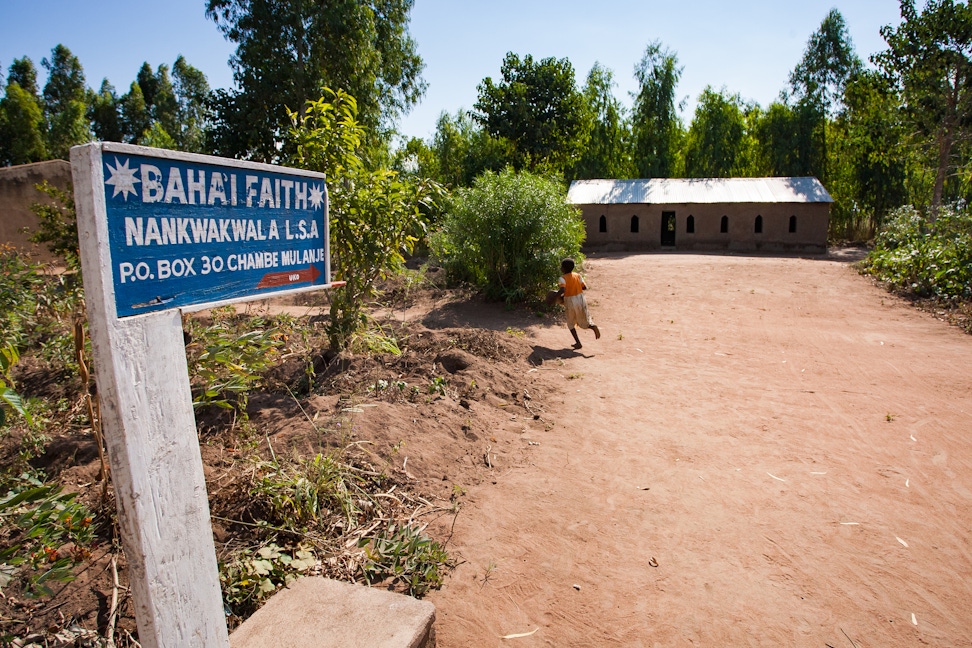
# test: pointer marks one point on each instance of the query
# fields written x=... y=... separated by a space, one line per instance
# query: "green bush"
x=924 y=257
x=37 y=309
x=507 y=234
x=46 y=533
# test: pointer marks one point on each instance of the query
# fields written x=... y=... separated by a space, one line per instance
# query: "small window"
x=634 y=224
x=602 y=225
x=724 y=225
x=758 y=226
x=792 y=224
x=690 y=225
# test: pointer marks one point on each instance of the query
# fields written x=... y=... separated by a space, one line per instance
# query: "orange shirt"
x=572 y=283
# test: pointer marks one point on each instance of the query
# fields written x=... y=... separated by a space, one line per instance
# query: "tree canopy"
x=655 y=124
x=929 y=60
x=287 y=50
x=537 y=107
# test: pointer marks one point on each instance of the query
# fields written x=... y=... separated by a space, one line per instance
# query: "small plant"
x=8 y=397
x=620 y=336
x=252 y=576
x=42 y=520
x=299 y=493
x=406 y=556
x=890 y=417
x=230 y=363
x=375 y=340
x=438 y=386
x=515 y=332
x=574 y=376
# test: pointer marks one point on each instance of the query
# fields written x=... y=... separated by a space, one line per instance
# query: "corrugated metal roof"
x=676 y=191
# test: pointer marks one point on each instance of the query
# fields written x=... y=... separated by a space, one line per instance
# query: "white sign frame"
x=150 y=431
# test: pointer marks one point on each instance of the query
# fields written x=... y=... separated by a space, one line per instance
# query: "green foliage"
x=251 y=577
x=298 y=494
x=607 y=153
x=790 y=140
x=37 y=309
x=65 y=102
x=929 y=59
x=829 y=62
x=22 y=118
x=406 y=556
x=227 y=363
x=157 y=137
x=463 y=150
x=287 y=51
x=8 y=397
x=375 y=216
x=656 y=129
x=39 y=523
x=57 y=224
x=923 y=257
x=870 y=161
x=714 y=147
x=537 y=107
x=508 y=233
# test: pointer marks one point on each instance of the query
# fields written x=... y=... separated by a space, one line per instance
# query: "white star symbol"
x=316 y=196
x=122 y=179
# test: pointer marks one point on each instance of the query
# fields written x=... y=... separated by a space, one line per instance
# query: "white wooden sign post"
x=161 y=232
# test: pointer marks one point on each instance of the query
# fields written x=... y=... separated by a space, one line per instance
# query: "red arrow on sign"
x=277 y=279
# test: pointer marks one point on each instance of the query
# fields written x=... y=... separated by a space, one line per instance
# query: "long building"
x=705 y=214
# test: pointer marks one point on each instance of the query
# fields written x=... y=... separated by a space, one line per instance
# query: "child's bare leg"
x=577 y=342
x=597 y=332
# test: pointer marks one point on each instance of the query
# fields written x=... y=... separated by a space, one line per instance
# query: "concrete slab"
x=320 y=613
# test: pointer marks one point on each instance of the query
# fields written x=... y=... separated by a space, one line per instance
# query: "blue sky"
x=747 y=46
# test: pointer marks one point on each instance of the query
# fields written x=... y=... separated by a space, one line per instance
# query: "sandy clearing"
x=787 y=443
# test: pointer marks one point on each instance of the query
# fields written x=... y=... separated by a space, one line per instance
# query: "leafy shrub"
x=299 y=493
x=47 y=533
x=406 y=556
x=927 y=258
x=227 y=363
x=37 y=309
x=58 y=224
x=253 y=576
x=376 y=216
x=507 y=234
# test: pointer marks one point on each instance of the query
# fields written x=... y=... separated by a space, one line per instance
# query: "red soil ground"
x=758 y=452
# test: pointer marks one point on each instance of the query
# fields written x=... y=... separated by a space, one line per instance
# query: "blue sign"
x=185 y=233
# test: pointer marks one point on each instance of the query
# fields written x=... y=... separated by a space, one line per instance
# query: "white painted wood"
x=150 y=431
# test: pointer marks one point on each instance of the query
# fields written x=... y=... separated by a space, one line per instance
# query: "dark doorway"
x=668 y=229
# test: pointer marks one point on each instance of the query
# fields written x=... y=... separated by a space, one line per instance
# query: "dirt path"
x=789 y=445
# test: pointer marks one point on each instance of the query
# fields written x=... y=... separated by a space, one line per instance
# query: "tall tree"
x=288 y=49
x=655 y=126
x=22 y=117
x=537 y=107
x=929 y=60
x=192 y=94
x=714 y=144
x=818 y=81
x=828 y=62
x=135 y=115
x=65 y=102
x=870 y=156
x=789 y=140
x=23 y=73
x=607 y=153
x=105 y=114
x=464 y=149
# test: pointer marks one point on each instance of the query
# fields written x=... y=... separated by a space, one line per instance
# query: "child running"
x=572 y=289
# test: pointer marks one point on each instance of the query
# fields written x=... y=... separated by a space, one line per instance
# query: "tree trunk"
x=944 y=153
